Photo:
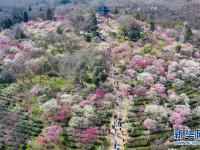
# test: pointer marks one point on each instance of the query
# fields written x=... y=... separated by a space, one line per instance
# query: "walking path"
x=118 y=144
x=118 y=134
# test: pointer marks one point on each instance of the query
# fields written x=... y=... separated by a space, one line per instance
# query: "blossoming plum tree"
x=88 y=137
x=150 y=123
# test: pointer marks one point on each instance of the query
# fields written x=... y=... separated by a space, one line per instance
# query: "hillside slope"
x=63 y=81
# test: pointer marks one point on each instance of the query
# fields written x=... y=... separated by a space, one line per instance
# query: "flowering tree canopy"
x=63 y=113
x=88 y=136
x=150 y=123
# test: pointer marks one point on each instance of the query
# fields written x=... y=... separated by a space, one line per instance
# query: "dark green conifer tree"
x=49 y=14
x=25 y=17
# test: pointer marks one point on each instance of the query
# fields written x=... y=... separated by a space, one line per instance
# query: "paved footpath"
x=118 y=134
x=117 y=121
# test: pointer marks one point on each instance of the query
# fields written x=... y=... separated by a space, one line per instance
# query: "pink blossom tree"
x=171 y=76
x=63 y=113
x=176 y=119
x=100 y=93
x=139 y=63
x=179 y=116
x=121 y=48
x=88 y=137
x=53 y=133
x=150 y=123
x=159 y=88
x=139 y=91
x=160 y=66
x=85 y=102
x=197 y=54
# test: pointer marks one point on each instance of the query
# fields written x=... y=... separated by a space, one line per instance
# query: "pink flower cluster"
x=52 y=135
x=186 y=51
x=176 y=119
x=85 y=102
x=171 y=76
x=121 y=48
x=140 y=91
x=36 y=90
x=21 y=46
x=139 y=63
x=88 y=136
x=150 y=123
x=100 y=93
x=30 y=23
x=160 y=66
x=197 y=54
x=125 y=56
x=53 y=132
x=169 y=40
x=181 y=127
x=159 y=88
x=63 y=113
x=95 y=97
x=158 y=63
x=1 y=58
x=148 y=81
x=179 y=116
x=183 y=111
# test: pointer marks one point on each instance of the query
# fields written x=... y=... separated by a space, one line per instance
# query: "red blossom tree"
x=63 y=113
x=100 y=93
x=139 y=63
x=88 y=136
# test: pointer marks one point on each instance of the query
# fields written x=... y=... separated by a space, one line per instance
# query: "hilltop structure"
x=103 y=10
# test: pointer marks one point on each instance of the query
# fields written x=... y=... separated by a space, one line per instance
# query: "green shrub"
x=108 y=86
x=151 y=24
x=140 y=143
x=113 y=34
x=6 y=77
x=25 y=17
x=115 y=10
x=178 y=48
x=132 y=31
x=147 y=49
x=19 y=34
x=59 y=30
x=65 y=1
x=7 y=23
x=188 y=33
x=97 y=75
x=49 y=14
x=95 y=34
x=88 y=38
x=109 y=114
x=105 y=121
